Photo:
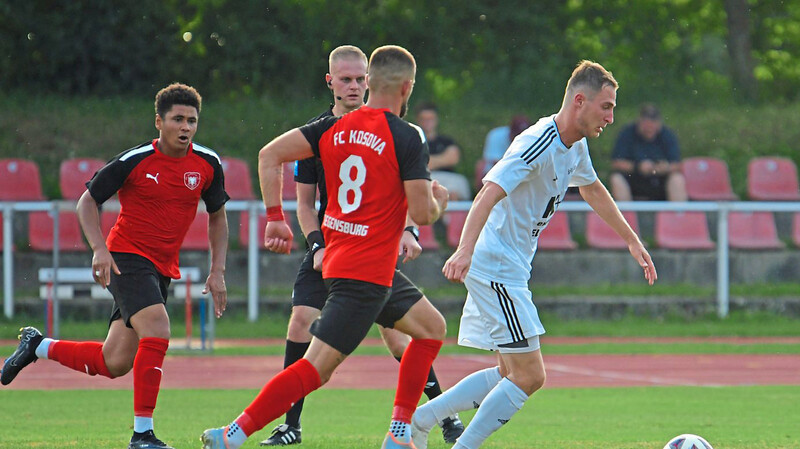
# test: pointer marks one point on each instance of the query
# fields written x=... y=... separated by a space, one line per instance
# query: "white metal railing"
x=722 y=209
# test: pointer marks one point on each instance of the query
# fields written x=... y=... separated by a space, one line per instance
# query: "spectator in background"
x=498 y=140
x=444 y=152
x=646 y=161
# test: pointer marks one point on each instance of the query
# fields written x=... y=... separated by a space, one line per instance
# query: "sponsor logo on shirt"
x=345 y=227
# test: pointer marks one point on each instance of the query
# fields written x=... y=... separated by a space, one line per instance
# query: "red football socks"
x=147 y=375
x=86 y=356
x=278 y=395
x=414 y=368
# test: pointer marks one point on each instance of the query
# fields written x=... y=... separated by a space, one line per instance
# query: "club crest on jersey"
x=191 y=179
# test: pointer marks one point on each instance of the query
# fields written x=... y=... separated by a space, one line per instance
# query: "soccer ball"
x=688 y=441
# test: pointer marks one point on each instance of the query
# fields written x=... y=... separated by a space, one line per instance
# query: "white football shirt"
x=535 y=173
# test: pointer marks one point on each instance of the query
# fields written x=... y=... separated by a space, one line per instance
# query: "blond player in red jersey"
x=376 y=173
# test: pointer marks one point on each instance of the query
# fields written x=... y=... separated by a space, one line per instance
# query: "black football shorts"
x=140 y=285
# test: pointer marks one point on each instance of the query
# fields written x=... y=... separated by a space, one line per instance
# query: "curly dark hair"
x=177 y=93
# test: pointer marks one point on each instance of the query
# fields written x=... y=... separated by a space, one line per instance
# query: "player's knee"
x=529 y=381
x=119 y=365
x=299 y=325
x=434 y=328
x=396 y=346
x=439 y=329
x=537 y=382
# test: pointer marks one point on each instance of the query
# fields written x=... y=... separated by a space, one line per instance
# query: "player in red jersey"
x=347 y=81
x=159 y=185
x=376 y=173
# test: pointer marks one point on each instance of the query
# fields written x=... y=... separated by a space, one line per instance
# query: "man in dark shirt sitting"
x=444 y=152
x=646 y=161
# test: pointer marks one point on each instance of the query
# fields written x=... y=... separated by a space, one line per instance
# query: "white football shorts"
x=499 y=318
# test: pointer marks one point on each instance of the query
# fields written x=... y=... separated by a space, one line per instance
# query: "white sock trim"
x=44 y=347
x=235 y=434
x=142 y=424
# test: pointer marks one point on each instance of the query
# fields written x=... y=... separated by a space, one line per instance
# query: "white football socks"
x=44 y=346
x=142 y=424
x=497 y=408
x=467 y=394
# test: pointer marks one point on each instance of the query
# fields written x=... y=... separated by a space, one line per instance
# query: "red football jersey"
x=158 y=195
x=366 y=156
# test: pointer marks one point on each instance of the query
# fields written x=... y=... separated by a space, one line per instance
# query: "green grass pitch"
x=758 y=417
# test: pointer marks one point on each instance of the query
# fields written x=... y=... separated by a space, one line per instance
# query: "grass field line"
x=573 y=370
x=626 y=377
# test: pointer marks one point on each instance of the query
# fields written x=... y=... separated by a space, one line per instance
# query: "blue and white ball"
x=688 y=441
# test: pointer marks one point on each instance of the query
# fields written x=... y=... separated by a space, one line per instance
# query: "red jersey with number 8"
x=366 y=155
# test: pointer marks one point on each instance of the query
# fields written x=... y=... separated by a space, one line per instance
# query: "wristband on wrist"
x=414 y=231
x=275 y=213
x=315 y=241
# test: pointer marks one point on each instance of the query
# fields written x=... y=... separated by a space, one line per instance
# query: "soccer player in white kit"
x=494 y=256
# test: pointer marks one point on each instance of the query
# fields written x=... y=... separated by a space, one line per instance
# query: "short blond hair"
x=590 y=78
x=345 y=51
x=389 y=67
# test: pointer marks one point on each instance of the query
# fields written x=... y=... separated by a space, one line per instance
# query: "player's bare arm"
x=457 y=265
x=218 y=243
x=600 y=200
x=102 y=262
x=426 y=200
x=290 y=146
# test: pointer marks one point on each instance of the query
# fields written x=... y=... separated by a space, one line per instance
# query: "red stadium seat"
x=556 y=236
x=20 y=180
x=244 y=229
x=600 y=235
x=197 y=236
x=73 y=175
x=40 y=232
x=796 y=230
x=455 y=224
x=427 y=238
x=753 y=230
x=772 y=179
x=289 y=186
x=707 y=179
x=682 y=230
x=238 y=182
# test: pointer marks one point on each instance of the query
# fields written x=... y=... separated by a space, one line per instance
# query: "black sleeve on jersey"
x=410 y=149
x=313 y=131
x=109 y=179
x=305 y=170
x=214 y=196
